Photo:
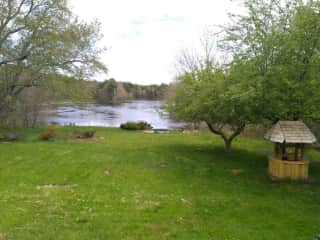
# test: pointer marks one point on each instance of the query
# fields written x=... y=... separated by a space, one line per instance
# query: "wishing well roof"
x=290 y=132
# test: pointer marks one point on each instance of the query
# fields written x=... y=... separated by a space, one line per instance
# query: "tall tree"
x=39 y=37
x=210 y=93
x=279 y=43
x=107 y=91
x=274 y=72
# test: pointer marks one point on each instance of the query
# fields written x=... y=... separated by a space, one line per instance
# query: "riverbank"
x=132 y=185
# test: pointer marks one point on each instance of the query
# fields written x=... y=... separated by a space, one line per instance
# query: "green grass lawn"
x=132 y=185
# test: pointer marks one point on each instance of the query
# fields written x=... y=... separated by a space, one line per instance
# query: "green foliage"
x=273 y=75
x=111 y=91
x=48 y=134
x=8 y=136
x=212 y=95
x=215 y=96
x=276 y=46
x=136 y=126
x=45 y=35
x=2 y=136
x=107 y=91
x=69 y=89
x=39 y=38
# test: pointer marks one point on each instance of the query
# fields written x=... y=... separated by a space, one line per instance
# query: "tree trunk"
x=228 y=144
x=227 y=139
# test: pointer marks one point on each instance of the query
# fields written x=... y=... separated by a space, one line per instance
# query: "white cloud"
x=144 y=36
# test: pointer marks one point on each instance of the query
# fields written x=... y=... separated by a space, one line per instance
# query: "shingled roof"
x=290 y=132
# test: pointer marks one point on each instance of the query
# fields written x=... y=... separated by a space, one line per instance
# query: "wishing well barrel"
x=287 y=161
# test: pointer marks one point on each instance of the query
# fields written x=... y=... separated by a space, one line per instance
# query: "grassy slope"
x=143 y=186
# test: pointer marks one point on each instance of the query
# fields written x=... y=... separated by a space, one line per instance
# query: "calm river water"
x=112 y=115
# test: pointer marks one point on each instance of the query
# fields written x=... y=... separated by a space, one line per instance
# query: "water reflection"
x=112 y=115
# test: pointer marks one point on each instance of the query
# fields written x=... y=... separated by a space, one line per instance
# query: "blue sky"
x=144 y=37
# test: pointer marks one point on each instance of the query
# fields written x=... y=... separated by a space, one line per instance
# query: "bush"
x=136 y=126
x=48 y=134
x=315 y=128
x=9 y=137
x=85 y=134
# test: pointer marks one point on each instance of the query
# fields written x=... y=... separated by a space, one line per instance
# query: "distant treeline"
x=67 y=89
x=111 y=91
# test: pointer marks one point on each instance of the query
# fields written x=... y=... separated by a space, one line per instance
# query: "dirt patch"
x=72 y=140
x=185 y=201
x=56 y=186
x=93 y=139
x=3 y=236
x=163 y=165
x=190 y=131
x=148 y=205
x=237 y=171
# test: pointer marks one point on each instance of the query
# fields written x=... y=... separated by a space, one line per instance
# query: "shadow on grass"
x=210 y=161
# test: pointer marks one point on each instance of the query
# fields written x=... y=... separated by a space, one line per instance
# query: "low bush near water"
x=48 y=134
x=136 y=126
x=85 y=134
x=9 y=136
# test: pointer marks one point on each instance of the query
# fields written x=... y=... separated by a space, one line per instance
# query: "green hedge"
x=136 y=126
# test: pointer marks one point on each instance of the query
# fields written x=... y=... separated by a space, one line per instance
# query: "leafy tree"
x=274 y=72
x=208 y=92
x=38 y=37
x=45 y=34
x=61 y=88
x=276 y=46
x=107 y=91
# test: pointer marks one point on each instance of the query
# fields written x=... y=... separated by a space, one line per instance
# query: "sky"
x=144 y=37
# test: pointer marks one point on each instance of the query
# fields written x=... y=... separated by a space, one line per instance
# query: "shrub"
x=48 y=134
x=136 y=126
x=86 y=134
x=9 y=137
x=2 y=137
x=129 y=126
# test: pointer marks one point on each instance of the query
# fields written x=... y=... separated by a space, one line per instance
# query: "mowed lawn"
x=135 y=186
